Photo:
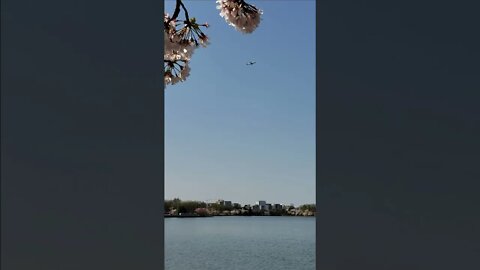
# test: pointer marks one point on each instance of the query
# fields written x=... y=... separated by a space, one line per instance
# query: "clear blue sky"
x=245 y=133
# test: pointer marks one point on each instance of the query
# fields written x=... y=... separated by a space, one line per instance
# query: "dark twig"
x=177 y=11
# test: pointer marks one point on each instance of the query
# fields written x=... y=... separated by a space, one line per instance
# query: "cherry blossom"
x=183 y=36
x=239 y=14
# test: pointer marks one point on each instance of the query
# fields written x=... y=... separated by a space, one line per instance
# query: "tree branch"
x=177 y=11
x=185 y=10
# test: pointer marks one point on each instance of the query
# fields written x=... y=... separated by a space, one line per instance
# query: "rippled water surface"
x=240 y=243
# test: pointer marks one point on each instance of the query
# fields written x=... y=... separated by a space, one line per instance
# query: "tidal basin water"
x=240 y=243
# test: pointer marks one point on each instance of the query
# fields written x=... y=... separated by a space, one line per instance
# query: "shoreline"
x=170 y=216
x=184 y=209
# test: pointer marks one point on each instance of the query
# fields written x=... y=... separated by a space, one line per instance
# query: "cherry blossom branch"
x=177 y=11
x=185 y=10
x=183 y=37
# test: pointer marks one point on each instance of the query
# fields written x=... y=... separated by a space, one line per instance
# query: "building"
x=224 y=203
x=262 y=205
x=277 y=206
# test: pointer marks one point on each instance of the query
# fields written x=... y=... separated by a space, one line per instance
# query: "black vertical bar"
x=82 y=135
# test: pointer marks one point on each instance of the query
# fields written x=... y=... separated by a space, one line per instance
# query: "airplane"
x=250 y=63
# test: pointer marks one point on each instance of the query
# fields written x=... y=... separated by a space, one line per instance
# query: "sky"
x=245 y=133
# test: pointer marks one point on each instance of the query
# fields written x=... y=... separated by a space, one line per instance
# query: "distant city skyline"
x=239 y=132
x=239 y=202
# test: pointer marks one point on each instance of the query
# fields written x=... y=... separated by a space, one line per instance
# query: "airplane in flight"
x=250 y=63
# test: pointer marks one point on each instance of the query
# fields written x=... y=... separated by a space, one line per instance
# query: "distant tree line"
x=221 y=207
x=308 y=207
x=183 y=206
x=202 y=209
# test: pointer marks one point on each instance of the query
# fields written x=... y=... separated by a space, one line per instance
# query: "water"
x=240 y=243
